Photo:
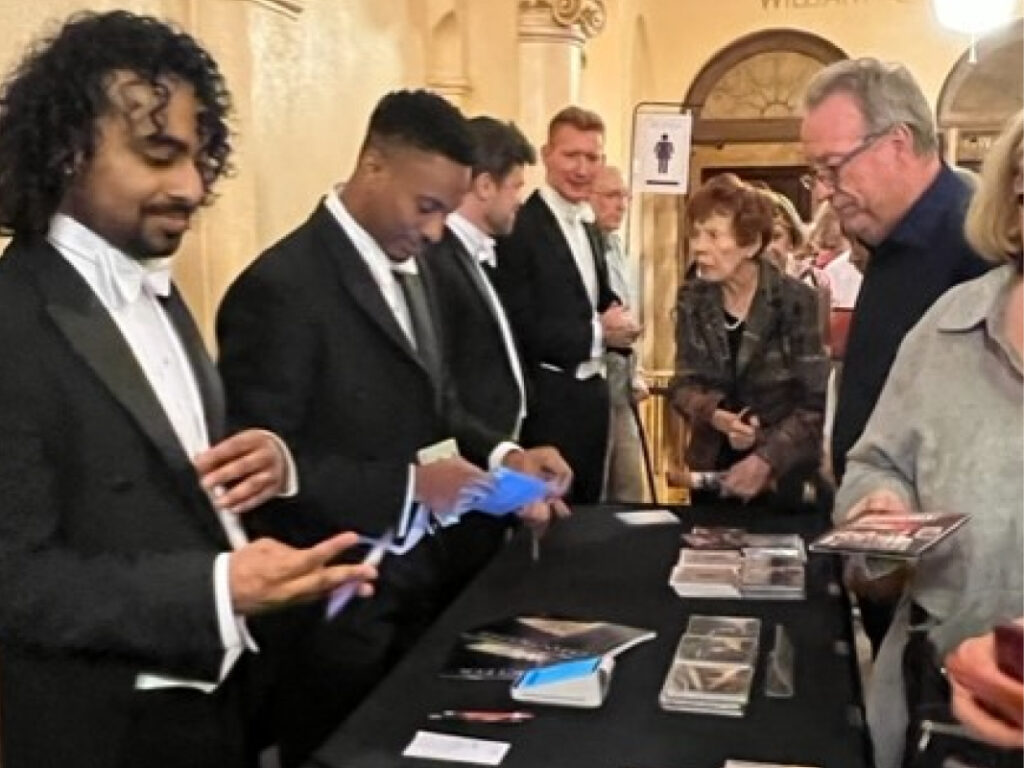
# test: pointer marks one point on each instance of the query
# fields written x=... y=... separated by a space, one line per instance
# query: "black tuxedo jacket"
x=474 y=347
x=310 y=350
x=543 y=293
x=107 y=541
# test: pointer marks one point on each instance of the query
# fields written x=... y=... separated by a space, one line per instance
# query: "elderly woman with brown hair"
x=750 y=368
x=946 y=436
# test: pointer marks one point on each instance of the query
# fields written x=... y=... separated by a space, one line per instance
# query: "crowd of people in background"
x=171 y=528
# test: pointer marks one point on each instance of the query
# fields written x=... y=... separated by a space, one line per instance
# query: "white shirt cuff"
x=234 y=634
x=405 y=517
x=291 y=474
x=597 y=347
x=498 y=454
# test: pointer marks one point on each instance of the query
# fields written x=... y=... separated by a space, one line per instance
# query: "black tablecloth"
x=592 y=566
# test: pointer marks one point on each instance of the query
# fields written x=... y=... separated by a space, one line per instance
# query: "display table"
x=592 y=566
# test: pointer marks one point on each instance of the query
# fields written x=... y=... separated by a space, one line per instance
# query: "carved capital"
x=289 y=8
x=586 y=15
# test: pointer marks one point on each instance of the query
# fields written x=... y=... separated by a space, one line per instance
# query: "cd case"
x=712 y=670
x=887 y=535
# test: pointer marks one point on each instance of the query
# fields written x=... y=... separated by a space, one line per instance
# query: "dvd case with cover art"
x=503 y=649
x=887 y=535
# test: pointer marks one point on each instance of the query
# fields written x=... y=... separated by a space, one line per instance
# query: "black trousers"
x=318 y=670
x=571 y=415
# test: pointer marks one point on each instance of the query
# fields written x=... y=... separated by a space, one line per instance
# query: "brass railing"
x=666 y=437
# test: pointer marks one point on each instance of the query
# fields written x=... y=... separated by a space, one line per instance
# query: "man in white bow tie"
x=554 y=284
x=481 y=352
x=127 y=575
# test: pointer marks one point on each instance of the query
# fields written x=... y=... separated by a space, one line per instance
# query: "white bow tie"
x=485 y=254
x=127 y=278
x=580 y=213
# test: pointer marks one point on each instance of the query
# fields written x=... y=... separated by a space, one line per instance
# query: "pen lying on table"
x=481 y=716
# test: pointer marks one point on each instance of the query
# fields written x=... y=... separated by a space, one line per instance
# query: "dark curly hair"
x=50 y=102
x=422 y=120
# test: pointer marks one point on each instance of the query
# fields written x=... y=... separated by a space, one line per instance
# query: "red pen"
x=481 y=716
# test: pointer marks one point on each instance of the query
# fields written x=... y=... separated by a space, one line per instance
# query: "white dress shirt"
x=844 y=280
x=481 y=247
x=619 y=278
x=570 y=218
x=129 y=291
x=414 y=520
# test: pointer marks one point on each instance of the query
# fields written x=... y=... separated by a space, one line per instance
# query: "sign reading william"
x=794 y=5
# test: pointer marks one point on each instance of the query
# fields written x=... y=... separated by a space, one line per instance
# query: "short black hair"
x=498 y=147
x=422 y=120
x=50 y=102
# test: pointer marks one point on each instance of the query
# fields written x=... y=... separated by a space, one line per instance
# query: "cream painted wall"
x=304 y=86
x=315 y=82
x=904 y=30
x=492 y=61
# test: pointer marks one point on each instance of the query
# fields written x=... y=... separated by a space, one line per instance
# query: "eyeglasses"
x=615 y=194
x=828 y=175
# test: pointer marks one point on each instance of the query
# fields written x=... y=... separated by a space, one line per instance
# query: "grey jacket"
x=946 y=436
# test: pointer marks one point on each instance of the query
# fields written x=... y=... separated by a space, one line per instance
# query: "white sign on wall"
x=661 y=153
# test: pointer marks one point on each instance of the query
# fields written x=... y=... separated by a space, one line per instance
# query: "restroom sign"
x=661 y=153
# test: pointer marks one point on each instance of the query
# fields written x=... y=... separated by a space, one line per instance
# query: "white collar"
x=479 y=244
x=116 y=278
x=572 y=213
x=379 y=263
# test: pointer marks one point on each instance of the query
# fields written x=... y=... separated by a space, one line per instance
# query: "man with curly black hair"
x=126 y=575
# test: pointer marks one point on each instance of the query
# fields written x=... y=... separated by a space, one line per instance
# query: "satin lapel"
x=464 y=261
x=208 y=380
x=552 y=233
x=597 y=248
x=358 y=282
x=94 y=336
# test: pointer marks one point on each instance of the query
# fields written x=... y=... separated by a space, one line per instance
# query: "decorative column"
x=552 y=34
x=446 y=53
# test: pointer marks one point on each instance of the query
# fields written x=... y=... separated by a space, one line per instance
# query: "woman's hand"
x=984 y=698
x=747 y=478
x=882 y=501
x=740 y=433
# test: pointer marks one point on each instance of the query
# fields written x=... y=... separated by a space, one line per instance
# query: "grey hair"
x=886 y=94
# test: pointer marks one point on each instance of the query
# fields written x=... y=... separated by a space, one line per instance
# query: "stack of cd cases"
x=713 y=666
x=731 y=563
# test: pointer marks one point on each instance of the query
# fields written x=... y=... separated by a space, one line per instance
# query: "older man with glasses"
x=870 y=141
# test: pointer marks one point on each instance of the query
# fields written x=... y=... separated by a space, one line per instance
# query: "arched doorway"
x=978 y=97
x=746 y=101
